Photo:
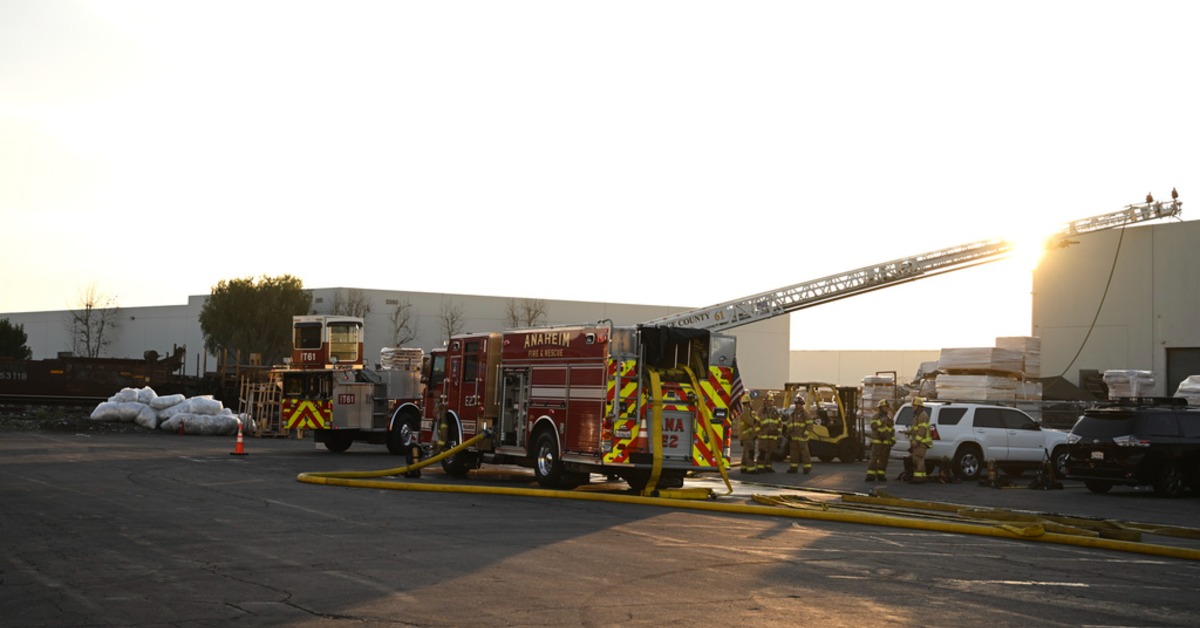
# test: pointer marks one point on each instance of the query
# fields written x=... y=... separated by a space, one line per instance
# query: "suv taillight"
x=1129 y=440
x=933 y=433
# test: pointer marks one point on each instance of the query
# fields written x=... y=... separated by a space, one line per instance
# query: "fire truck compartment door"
x=677 y=433
x=352 y=405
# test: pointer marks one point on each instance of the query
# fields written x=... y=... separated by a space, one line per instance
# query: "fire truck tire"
x=404 y=429
x=338 y=442
x=460 y=464
x=667 y=479
x=548 y=465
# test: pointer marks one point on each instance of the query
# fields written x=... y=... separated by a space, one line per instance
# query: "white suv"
x=970 y=434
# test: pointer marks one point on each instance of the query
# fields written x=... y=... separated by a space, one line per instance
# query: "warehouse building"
x=1116 y=299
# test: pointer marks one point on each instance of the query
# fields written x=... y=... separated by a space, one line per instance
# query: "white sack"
x=118 y=411
x=126 y=394
x=166 y=401
x=201 y=424
x=146 y=395
x=147 y=417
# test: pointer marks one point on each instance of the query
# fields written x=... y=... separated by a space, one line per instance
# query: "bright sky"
x=683 y=153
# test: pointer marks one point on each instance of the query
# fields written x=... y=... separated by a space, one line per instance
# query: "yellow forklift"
x=836 y=421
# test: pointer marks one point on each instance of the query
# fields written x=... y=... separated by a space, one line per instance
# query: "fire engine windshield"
x=343 y=340
x=674 y=347
x=307 y=336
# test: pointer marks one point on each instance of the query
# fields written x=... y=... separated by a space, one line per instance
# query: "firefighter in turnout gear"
x=799 y=430
x=919 y=440
x=748 y=427
x=883 y=436
x=768 y=440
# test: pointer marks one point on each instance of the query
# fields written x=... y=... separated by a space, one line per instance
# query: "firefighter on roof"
x=883 y=436
x=748 y=426
x=919 y=440
x=799 y=430
x=768 y=440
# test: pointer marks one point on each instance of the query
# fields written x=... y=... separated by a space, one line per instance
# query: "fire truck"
x=647 y=403
x=644 y=403
x=327 y=388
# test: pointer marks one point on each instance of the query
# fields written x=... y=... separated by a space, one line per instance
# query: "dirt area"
x=58 y=419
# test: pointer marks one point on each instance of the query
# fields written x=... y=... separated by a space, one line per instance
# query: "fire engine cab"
x=327 y=388
x=647 y=404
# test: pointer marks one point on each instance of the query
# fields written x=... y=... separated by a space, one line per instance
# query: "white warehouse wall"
x=762 y=347
x=1151 y=305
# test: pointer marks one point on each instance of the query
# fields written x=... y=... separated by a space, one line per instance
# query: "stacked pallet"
x=1030 y=348
x=1129 y=383
x=1189 y=389
x=990 y=373
x=875 y=389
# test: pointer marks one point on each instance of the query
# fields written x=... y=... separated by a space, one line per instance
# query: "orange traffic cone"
x=240 y=449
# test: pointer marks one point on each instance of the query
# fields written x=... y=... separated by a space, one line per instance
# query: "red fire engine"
x=327 y=388
x=570 y=401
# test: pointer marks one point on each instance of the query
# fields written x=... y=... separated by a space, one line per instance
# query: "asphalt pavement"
x=166 y=530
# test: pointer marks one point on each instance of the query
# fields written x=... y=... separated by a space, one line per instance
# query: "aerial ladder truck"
x=647 y=403
x=765 y=305
x=838 y=436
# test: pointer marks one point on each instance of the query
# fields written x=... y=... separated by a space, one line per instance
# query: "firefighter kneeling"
x=799 y=430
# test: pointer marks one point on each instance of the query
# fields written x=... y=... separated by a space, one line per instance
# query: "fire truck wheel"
x=548 y=466
x=667 y=479
x=461 y=463
x=400 y=438
x=337 y=443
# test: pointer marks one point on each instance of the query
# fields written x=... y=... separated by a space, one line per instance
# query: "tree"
x=452 y=318
x=12 y=341
x=253 y=316
x=404 y=324
x=525 y=313
x=353 y=303
x=93 y=325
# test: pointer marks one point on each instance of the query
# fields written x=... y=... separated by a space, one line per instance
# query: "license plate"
x=1097 y=455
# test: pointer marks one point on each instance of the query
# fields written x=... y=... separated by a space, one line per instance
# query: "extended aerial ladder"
x=765 y=305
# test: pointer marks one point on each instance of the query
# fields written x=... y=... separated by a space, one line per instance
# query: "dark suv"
x=1135 y=442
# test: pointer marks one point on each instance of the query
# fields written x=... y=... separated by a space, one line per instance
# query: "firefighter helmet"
x=918 y=402
x=883 y=403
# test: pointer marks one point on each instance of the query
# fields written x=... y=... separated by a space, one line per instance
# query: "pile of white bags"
x=172 y=413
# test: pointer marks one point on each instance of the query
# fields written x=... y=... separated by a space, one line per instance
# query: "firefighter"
x=748 y=426
x=883 y=436
x=799 y=430
x=919 y=440
x=768 y=440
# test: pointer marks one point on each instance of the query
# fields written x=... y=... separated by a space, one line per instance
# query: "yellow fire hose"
x=1005 y=529
x=1066 y=531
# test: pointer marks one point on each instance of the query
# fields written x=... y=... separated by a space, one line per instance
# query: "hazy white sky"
x=683 y=153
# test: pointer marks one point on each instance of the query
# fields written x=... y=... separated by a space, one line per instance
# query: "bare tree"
x=452 y=318
x=93 y=325
x=353 y=303
x=525 y=313
x=404 y=323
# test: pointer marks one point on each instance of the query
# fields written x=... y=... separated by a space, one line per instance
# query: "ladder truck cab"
x=327 y=388
x=648 y=404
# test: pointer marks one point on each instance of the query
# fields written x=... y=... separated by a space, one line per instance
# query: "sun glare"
x=1029 y=245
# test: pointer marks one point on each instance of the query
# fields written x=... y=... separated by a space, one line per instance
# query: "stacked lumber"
x=976 y=387
x=1000 y=373
x=1129 y=383
x=1030 y=348
x=984 y=360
